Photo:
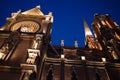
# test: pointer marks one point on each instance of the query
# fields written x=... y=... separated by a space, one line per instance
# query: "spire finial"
x=38 y=6
x=62 y=42
x=76 y=43
x=86 y=27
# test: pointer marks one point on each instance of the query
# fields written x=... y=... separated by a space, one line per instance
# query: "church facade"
x=26 y=52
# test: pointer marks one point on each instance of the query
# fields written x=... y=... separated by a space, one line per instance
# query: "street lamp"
x=83 y=57
x=103 y=59
x=62 y=67
x=62 y=56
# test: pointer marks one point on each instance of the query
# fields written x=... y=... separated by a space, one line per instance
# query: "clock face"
x=26 y=26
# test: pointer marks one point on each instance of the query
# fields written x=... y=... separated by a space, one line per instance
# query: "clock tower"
x=24 y=41
x=30 y=21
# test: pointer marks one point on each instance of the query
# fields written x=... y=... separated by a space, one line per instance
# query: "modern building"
x=27 y=54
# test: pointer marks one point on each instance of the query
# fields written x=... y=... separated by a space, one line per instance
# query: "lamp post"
x=103 y=59
x=84 y=67
x=83 y=58
x=62 y=66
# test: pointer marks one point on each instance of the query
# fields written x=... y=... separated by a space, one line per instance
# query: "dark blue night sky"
x=67 y=14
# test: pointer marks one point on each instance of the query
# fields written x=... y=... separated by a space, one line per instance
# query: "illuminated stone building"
x=26 y=52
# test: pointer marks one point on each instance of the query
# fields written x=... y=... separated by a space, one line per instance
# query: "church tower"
x=107 y=30
x=90 y=41
x=24 y=40
x=27 y=54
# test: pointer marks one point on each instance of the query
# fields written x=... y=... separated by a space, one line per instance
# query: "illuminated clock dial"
x=26 y=26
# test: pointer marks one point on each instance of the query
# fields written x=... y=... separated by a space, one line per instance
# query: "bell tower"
x=106 y=30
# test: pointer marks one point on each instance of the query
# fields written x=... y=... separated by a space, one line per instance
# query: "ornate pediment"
x=33 y=11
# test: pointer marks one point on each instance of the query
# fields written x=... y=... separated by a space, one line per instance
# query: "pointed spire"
x=88 y=32
x=90 y=40
x=87 y=29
